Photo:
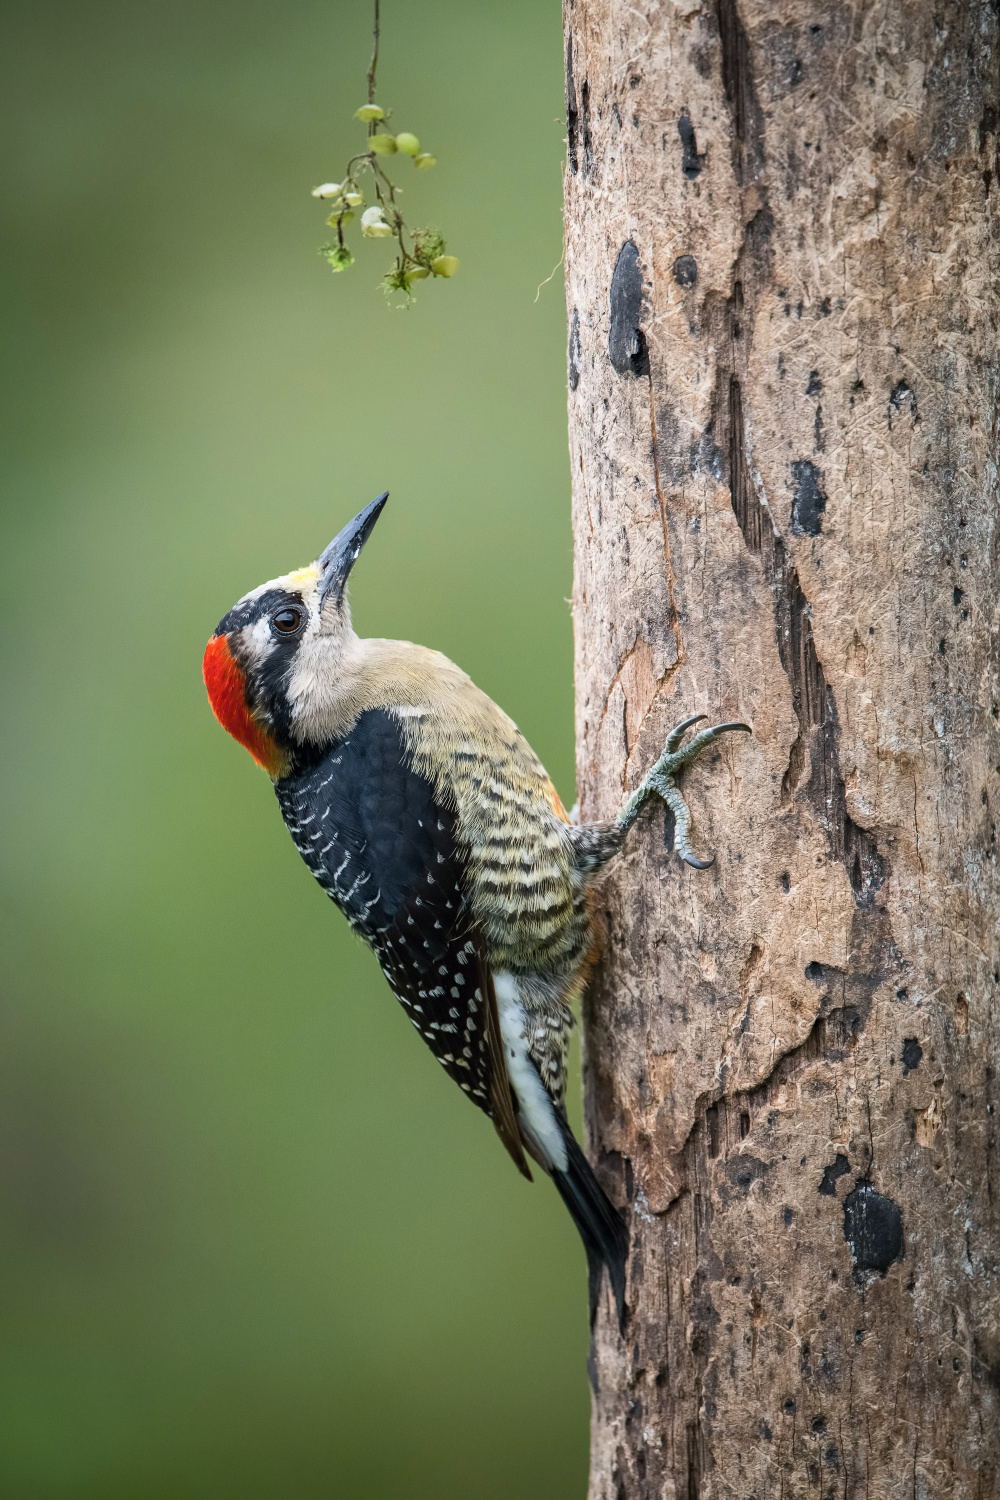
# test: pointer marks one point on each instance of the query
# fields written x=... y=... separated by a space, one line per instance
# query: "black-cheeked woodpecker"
x=428 y=819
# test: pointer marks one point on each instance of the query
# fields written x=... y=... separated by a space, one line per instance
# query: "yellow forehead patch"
x=303 y=578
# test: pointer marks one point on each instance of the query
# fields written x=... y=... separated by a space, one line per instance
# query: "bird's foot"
x=659 y=781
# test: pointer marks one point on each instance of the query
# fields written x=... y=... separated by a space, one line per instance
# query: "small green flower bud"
x=407 y=143
x=445 y=265
x=369 y=112
x=382 y=145
x=415 y=273
x=425 y=160
x=340 y=215
x=326 y=190
x=355 y=199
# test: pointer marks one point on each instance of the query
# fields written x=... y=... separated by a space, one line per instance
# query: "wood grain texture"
x=782 y=257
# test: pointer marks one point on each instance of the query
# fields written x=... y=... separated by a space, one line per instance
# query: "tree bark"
x=781 y=271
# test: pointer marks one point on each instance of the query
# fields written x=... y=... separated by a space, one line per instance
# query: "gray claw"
x=660 y=780
x=698 y=864
x=677 y=734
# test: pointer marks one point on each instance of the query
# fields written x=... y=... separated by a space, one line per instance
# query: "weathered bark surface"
x=782 y=254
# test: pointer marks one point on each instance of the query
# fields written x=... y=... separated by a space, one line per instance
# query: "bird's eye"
x=287 y=621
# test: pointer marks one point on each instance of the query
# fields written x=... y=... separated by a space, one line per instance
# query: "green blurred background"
x=254 y=1244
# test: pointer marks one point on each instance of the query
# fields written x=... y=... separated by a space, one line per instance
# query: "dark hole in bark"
x=626 y=341
x=572 y=115
x=808 y=498
x=873 y=1229
x=690 y=159
x=712 y=1123
x=685 y=270
x=912 y=1053
x=838 y=1168
x=575 y=355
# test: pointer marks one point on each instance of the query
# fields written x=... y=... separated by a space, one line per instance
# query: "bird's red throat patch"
x=226 y=686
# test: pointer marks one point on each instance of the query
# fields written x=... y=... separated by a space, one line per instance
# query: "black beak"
x=338 y=559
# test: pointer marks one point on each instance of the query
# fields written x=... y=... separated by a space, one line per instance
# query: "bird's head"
x=274 y=656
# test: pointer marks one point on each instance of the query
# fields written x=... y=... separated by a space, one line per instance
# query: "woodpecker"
x=425 y=815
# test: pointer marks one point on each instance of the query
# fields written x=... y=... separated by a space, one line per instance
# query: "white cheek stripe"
x=537 y=1112
x=260 y=639
x=313 y=648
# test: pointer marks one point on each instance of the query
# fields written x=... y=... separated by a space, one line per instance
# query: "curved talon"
x=679 y=731
x=697 y=864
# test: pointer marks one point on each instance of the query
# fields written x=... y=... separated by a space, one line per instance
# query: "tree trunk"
x=781 y=270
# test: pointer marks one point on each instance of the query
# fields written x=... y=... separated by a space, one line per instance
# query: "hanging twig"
x=425 y=255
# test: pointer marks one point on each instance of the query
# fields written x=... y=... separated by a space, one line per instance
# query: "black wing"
x=372 y=833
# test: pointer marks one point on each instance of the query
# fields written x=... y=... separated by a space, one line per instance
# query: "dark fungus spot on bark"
x=873 y=1229
x=685 y=270
x=743 y=1170
x=789 y=1408
x=788 y=1216
x=592 y=1366
x=898 y=398
x=815 y=386
x=627 y=342
x=819 y=1424
x=795 y=73
x=912 y=1053
x=808 y=498
x=839 y=1167
x=786 y=881
x=575 y=352
x=690 y=159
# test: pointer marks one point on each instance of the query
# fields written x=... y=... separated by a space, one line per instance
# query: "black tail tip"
x=601 y=1227
x=596 y=1263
